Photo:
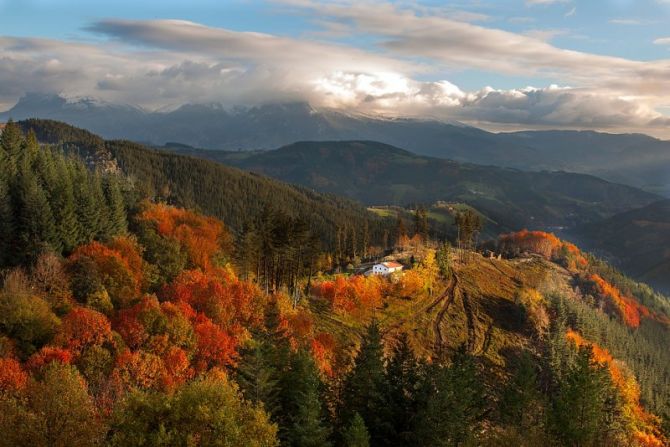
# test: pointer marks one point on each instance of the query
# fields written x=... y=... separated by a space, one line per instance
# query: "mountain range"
x=633 y=159
x=379 y=174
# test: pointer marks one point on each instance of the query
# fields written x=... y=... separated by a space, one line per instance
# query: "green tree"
x=456 y=403
x=442 y=257
x=584 y=412
x=365 y=388
x=355 y=434
x=403 y=375
x=207 y=411
x=55 y=412
x=302 y=421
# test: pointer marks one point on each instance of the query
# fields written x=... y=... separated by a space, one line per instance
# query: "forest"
x=150 y=300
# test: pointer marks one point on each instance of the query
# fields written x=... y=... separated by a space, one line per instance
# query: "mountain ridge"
x=641 y=161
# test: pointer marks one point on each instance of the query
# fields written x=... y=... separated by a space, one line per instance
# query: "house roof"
x=391 y=264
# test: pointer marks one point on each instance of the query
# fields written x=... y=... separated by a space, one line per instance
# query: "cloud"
x=662 y=41
x=160 y=63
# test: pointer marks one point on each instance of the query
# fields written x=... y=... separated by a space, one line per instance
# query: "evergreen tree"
x=521 y=403
x=63 y=203
x=116 y=216
x=257 y=377
x=456 y=403
x=442 y=258
x=356 y=435
x=403 y=375
x=301 y=420
x=87 y=205
x=365 y=389
x=35 y=226
x=6 y=220
x=11 y=140
x=584 y=412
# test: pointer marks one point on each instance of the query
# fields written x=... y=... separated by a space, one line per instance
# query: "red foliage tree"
x=46 y=355
x=83 y=327
x=215 y=347
x=12 y=377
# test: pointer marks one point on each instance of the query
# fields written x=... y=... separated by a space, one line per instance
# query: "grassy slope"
x=478 y=309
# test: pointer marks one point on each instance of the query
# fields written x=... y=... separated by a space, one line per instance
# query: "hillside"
x=379 y=174
x=632 y=159
x=155 y=326
x=237 y=197
x=638 y=241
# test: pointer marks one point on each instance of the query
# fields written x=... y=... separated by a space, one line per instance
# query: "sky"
x=497 y=64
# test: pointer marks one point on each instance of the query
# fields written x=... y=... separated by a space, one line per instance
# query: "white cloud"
x=662 y=41
x=169 y=62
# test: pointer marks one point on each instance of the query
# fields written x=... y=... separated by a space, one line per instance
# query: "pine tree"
x=257 y=377
x=64 y=209
x=403 y=375
x=456 y=403
x=87 y=205
x=365 y=389
x=301 y=421
x=35 y=225
x=521 y=403
x=11 y=140
x=116 y=216
x=6 y=220
x=442 y=258
x=585 y=409
x=356 y=435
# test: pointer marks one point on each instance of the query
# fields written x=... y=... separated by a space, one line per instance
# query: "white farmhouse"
x=386 y=268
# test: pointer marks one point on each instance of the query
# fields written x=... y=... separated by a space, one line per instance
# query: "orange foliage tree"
x=202 y=237
x=356 y=294
x=118 y=265
x=543 y=244
x=628 y=309
x=47 y=355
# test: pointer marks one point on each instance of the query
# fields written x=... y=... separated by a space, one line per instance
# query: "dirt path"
x=447 y=298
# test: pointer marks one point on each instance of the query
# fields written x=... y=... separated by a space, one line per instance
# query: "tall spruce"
x=302 y=417
x=365 y=389
x=456 y=404
x=403 y=375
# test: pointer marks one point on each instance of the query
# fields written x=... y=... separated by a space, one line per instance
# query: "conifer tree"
x=356 y=435
x=521 y=403
x=257 y=376
x=301 y=421
x=365 y=389
x=456 y=404
x=63 y=205
x=35 y=226
x=11 y=140
x=585 y=410
x=116 y=216
x=403 y=375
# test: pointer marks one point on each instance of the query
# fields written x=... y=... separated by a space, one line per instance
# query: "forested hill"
x=239 y=198
x=137 y=323
x=638 y=239
x=379 y=174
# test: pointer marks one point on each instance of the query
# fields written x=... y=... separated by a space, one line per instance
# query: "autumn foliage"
x=202 y=237
x=628 y=309
x=544 y=244
x=646 y=425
